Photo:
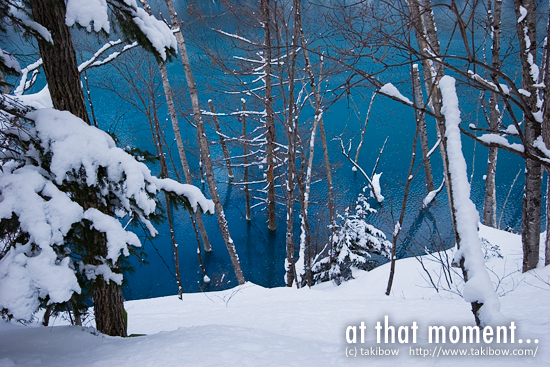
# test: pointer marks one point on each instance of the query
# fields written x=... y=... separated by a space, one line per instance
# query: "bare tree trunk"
x=245 y=159
x=270 y=133
x=60 y=64
x=421 y=126
x=546 y=135
x=397 y=228
x=203 y=144
x=291 y=128
x=489 y=208
x=530 y=231
x=222 y=140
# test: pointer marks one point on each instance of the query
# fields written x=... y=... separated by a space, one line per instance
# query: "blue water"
x=262 y=252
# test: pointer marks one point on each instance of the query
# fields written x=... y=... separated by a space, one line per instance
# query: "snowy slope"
x=254 y=326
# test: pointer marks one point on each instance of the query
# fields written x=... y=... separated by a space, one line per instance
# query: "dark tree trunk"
x=269 y=120
x=530 y=227
x=108 y=309
x=59 y=59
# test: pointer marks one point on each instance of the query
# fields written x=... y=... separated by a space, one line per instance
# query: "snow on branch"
x=478 y=287
x=235 y=36
x=391 y=91
x=94 y=62
x=86 y=12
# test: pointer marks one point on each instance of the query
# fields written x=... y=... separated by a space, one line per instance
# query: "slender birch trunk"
x=489 y=208
x=245 y=160
x=203 y=144
x=421 y=126
x=222 y=140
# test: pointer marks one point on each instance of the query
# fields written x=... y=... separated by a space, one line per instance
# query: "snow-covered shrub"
x=353 y=242
x=62 y=185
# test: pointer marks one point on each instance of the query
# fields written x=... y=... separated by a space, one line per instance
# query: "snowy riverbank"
x=254 y=326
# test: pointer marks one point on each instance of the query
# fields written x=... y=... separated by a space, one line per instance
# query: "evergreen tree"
x=353 y=242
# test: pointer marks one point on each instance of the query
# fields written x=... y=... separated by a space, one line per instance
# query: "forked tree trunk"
x=203 y=144
x=270 y=133
x=59 y=59
x=489 y=208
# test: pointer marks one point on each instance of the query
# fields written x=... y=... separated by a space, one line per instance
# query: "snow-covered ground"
x=254 y=326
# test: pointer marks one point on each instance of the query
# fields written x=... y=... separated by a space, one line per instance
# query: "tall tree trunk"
x=222 y=140
x=489 y=208
x=421 y=126
x=63 y=79
x=530 y=228
x=203 y=144
x=270 y=133
x=59 y=59
x=291 y=128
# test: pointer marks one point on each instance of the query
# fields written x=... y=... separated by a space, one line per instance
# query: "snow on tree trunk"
x=204 y=147
x=478 y=289
x=527 y=36
x=59 y=59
